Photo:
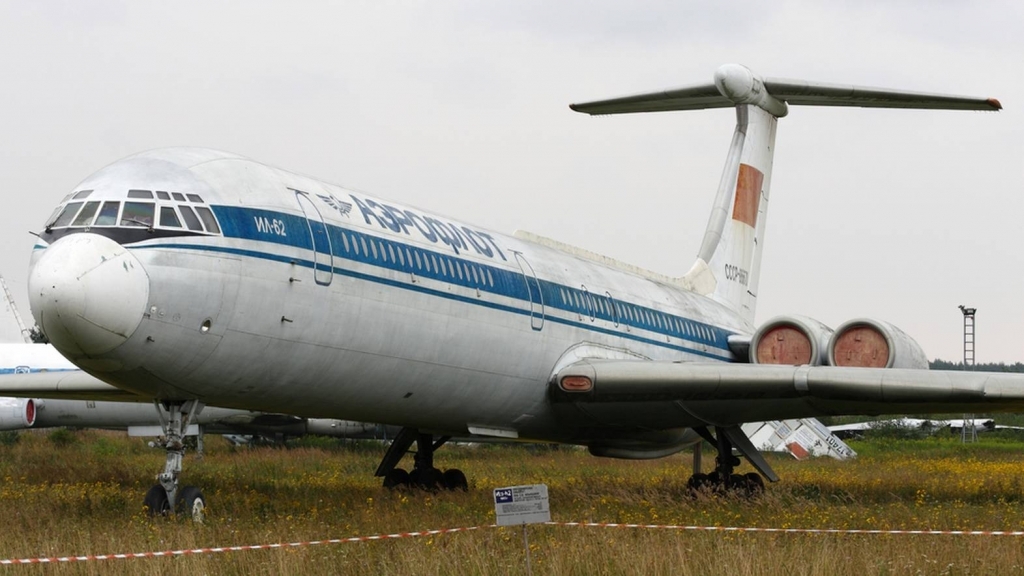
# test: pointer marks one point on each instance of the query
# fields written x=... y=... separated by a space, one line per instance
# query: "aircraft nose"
x=88 y=294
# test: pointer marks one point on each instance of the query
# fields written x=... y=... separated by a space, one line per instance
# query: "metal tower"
x=968 y=433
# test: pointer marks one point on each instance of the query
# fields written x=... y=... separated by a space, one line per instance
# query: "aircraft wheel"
x=754 y=483
x=454 y=479
x=426 y=478
x=396 y=478
x=155 y=503
x=697 y=482
x=192 y=503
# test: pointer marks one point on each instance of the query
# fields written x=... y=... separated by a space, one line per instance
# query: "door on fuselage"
x=532 y=292
x=323 y=252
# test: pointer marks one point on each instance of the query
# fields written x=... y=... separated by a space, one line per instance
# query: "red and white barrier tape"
x=793 y=530
x=195 y=551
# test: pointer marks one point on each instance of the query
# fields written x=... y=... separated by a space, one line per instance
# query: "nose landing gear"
x=165 y=497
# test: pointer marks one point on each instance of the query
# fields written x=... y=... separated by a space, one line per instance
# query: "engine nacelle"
x=867 y=343
x=790 y=340
x=17 y=413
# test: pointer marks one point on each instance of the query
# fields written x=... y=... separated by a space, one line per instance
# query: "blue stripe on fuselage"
x=291 y=230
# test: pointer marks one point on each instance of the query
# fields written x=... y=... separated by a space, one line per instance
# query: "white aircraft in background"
x=40 y=367
x=199 y=277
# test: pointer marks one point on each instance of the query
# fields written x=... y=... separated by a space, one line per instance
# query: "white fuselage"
x=317 y=301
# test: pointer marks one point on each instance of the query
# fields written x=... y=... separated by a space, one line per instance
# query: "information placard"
x=517 y=505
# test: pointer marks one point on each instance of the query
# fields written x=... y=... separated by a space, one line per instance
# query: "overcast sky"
x=461 y=107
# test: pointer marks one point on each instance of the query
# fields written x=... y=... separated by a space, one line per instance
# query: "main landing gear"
x=165 y=497
x=423 y=475
x=723 y=478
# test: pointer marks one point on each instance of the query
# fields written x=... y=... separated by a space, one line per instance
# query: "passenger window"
x=140 y=194
x=137 y=214
x=458 y=270
x=433 y=260
x=108 y=214
x=178 y=196
x=355 y=245
x=408 y=257
x=383 y=254
x=476 y=278
x=401 y=257
x=366 y=250
x=208 y=219
x=194 y=198
x=163 y=195
x=490 y=279
x=373 y=247
x=344 y=241
x=562 y=292
x=191 y=220
x=426 y=263
x=85 y=216
x=82 y=195
x=168 y=218
x=419 y=265
x=391 y=251
x=444 y=268
x=67 y=215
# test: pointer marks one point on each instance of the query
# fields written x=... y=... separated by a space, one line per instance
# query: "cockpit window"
x=163 y=195
x=85 y=216
x=178 y=196
x=208 y=219
x=140 y=194
x=137 y=214
x=194 y=198
x=108 y=214
x=65 y=217
x=82 y=194
x=190 y=219
x=168 y=218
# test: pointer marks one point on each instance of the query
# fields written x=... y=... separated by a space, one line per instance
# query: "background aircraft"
x=243 y=285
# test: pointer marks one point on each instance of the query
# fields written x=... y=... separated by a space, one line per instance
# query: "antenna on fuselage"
x=9 y=304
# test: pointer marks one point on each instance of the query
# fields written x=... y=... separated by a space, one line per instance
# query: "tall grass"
x=85 y=497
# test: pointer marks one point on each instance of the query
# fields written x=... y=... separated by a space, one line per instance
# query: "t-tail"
x=729 y=262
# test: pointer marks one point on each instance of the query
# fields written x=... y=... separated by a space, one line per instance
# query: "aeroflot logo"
x=452 y=235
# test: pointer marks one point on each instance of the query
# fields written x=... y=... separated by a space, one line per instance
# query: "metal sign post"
x=524 y=505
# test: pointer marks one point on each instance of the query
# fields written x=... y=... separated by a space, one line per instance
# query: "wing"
x=645 y=393
x=63 y=385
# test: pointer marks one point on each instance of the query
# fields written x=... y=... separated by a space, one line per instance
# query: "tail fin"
x=728 y=265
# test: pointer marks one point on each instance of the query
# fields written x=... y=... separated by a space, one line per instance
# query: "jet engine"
x=870 y=343
x=17 y=413
x=790 y=340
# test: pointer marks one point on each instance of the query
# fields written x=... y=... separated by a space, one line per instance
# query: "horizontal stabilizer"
x=735 y=84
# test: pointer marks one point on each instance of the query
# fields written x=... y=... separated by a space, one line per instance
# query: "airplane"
x=858 y=429
x=35 y=363
x=199 y=277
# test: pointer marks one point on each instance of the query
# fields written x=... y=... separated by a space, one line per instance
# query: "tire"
x=755 y=484
x=155 y=503
x=192 y=503
x=429 y=479
x=396 y=478
x=454 y=479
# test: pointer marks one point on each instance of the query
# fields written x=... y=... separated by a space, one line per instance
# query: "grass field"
x=76 y=493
